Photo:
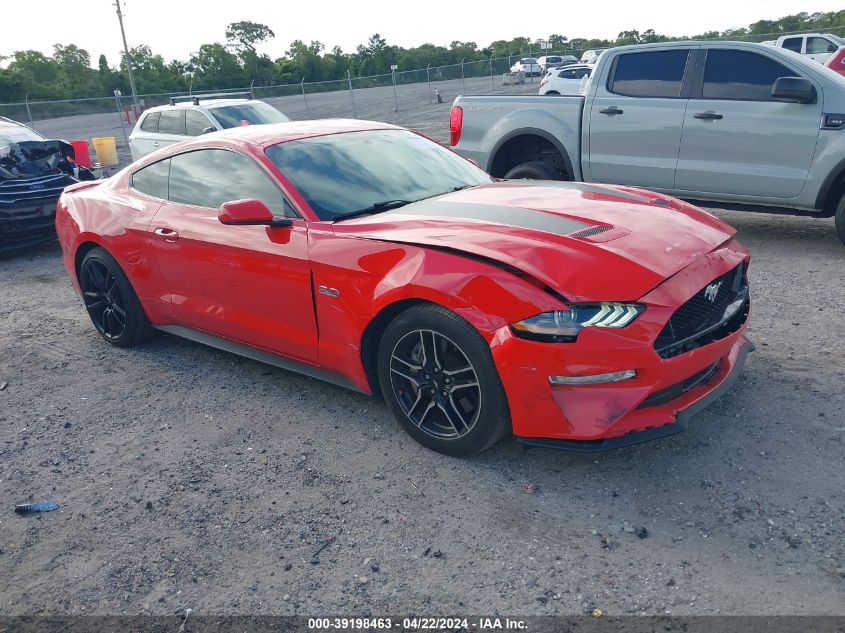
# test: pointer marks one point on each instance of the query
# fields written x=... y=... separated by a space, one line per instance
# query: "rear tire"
x=839 y=220
x=533 y=170
x=439 y=379
x=112 y=304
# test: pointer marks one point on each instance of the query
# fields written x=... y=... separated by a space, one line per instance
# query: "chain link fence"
x=413 y=98
x=357 y=97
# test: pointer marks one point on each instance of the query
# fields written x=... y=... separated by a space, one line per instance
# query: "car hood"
x=587 y=242
x=28 y=159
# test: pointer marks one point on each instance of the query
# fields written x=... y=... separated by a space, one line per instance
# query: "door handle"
x=707 y=116
x=611 y=110
x=169 y=235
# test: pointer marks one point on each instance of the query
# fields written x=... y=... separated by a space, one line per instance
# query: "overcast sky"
x=176 y=28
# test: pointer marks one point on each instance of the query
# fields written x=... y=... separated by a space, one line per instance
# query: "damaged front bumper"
x=28 y=210
x=33 y=175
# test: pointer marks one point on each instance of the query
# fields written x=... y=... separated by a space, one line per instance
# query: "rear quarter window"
x=150 y=122
x=152 y=179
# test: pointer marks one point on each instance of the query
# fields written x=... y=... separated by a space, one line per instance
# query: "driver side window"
x=196 y=122
x=741 y=75
x=210 y=177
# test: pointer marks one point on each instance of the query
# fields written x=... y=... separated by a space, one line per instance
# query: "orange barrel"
x=83 y=155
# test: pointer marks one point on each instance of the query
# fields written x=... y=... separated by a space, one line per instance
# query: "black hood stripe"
x=592 y=188
x=495 y=214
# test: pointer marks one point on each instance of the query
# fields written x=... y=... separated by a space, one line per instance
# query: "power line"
x=126 y=52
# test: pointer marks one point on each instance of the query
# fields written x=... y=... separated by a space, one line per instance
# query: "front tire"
x=112 y=304
x=439 y=380
x=839 y=220
x=533 y=170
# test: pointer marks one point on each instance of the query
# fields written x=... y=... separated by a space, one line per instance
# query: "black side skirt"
x=260 y=355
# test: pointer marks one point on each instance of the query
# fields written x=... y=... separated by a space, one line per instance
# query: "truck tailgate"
x=490 y=121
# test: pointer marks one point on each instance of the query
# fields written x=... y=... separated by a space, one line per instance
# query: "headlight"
x=562 y=326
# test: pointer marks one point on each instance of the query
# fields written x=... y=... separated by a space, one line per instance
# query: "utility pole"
x=126 y=51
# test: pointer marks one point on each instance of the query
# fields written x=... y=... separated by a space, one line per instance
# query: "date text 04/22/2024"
x=417 y=624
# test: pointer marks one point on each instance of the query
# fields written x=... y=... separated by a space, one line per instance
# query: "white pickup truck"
x=738 y=123
x=817 y=46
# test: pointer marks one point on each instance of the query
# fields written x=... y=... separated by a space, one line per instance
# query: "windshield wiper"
x=383 y=205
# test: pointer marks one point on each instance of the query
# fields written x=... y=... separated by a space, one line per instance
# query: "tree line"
x=69 y=74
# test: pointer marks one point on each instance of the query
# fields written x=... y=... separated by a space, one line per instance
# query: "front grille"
x=712 y=313
x=680 y=388
x=28 y=191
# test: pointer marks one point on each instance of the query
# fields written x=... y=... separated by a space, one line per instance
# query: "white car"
x=164 y=125
x=568 y=80
x=818 y=46
x=591 y=56
x=528 y=66
x=547 y=62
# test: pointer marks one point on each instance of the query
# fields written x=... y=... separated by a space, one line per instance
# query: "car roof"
x=204 y=103
x=4 y=122
x=7 y=123
x=572 y=67
x=274 y=133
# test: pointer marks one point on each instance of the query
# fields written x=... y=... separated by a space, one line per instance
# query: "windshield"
x=344 y=173
x=255 y=113
x=528 y=60
x=13 y=134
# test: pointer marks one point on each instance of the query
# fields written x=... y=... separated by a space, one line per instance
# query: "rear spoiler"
x=79 y=186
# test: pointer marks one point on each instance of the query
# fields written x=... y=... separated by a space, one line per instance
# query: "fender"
x=831 y=181
x=376 y=275
x=533 y=131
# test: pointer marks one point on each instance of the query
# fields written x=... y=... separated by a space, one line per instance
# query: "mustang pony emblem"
x=711 y=291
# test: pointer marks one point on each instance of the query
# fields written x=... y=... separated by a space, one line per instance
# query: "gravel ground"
x=193 y=478
x=189 y=477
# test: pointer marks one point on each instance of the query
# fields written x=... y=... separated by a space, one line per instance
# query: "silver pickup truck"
x=736 y=123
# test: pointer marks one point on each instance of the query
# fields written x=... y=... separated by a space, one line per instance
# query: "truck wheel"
x=840 y=220
x=534 y=170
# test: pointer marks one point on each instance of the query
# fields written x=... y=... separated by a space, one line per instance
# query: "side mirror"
x=207 y=130
x=250 y=213
x=796 y=89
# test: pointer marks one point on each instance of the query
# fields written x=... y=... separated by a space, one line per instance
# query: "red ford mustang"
x=571 y=315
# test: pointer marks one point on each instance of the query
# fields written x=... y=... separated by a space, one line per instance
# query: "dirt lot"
x=188 y=477
x=192 y=478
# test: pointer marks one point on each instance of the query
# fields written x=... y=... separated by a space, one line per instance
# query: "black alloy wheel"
x=103 y=299
x=437 y=375
x=112 y=304
x=435 y=384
